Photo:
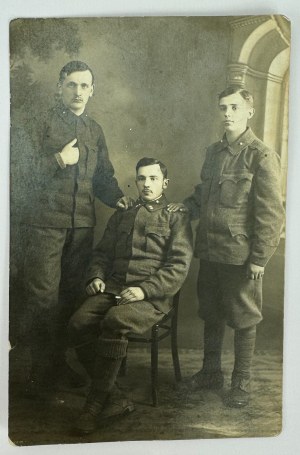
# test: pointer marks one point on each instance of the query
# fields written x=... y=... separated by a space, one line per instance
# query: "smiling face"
x=76 y=89
x=235 y=112
x=150 y=182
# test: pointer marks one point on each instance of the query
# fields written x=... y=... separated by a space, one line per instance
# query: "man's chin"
x=149 y=198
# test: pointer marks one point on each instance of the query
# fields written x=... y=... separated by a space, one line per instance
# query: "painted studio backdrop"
x=156 y=86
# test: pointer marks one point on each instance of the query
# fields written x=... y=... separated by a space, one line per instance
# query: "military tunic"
x=63 y=196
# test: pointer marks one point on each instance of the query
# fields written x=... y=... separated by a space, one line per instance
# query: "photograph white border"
x=288 y=442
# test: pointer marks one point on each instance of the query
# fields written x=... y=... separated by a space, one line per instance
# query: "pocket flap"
x=161 y=230
x=238 y=229
x=236 y=177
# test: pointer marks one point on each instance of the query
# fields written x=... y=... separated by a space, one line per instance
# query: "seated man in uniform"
x=140 y=263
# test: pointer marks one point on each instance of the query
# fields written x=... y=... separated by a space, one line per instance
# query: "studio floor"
x=180 y=415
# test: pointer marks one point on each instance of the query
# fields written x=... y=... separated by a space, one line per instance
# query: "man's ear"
x=59 y=88
x=166 y=183
x=92 y=90
x=251 y=113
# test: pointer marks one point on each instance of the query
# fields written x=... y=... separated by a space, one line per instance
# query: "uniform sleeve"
x=104 y=252
x=193 y=203
x=30 y=167
x=170 y=277
x=105 y=184
x=268 y=209
x=40 y=166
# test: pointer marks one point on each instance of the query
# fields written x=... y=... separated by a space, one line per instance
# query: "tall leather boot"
x=108 y=360
x=211 y=376
x=244 y=344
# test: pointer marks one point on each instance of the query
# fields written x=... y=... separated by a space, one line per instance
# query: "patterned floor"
x=179 y=415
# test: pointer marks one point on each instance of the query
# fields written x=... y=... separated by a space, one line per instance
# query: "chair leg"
x=154 y=365
x=174 y=347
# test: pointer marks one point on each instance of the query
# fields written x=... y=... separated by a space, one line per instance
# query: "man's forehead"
x=235 y=98
x=152 y=169
x=79 y=76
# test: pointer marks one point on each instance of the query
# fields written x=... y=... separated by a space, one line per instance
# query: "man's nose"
x=147 y=183
x=78 y=90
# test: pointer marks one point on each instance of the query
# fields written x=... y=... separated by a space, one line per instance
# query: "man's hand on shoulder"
x=132 y=294
x=125 y=203
x=177 y=207
x=95 y=286
x=254 y=272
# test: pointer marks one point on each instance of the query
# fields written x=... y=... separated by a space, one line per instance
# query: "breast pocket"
x=235 y=189
x=157 y=236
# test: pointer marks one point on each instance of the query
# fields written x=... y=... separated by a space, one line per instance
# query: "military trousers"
x=225 y=293
x=99 y=315
x=54 y=265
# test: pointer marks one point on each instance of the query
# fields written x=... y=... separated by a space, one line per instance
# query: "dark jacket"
x=64 y=197
x=145 y=246
x=238 y=202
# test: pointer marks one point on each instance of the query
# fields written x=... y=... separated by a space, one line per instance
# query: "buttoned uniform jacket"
x=145 y=246
x=238 y=203
x=62 y=196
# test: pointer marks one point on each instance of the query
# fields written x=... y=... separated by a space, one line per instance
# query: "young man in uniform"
x=143 y=258
x=240 y=216
x=66 y=165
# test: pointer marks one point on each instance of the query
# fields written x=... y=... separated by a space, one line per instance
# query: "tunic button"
x=240 y=143
x=150 y=207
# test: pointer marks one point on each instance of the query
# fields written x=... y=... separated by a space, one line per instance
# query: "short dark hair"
x=149 y=161
x=237 y=89
x=71 y=67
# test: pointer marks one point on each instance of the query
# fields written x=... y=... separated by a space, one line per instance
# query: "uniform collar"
x=242 y=142
x=152 y=206
x=69 y=117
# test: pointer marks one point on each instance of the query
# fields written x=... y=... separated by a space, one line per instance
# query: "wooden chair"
x=167 y=326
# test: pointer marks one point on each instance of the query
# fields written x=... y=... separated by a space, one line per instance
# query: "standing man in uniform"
x=240 y=218
x=67 y=166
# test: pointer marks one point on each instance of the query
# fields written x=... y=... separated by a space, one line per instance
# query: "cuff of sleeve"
x=94 y=274
x=150 y=290
x=144 y=291
x=60 y=161
x=260 y=259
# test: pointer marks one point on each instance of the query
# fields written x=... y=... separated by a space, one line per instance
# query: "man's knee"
x=117 y=320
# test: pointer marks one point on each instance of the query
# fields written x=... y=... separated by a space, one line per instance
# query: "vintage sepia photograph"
x=148 y=175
